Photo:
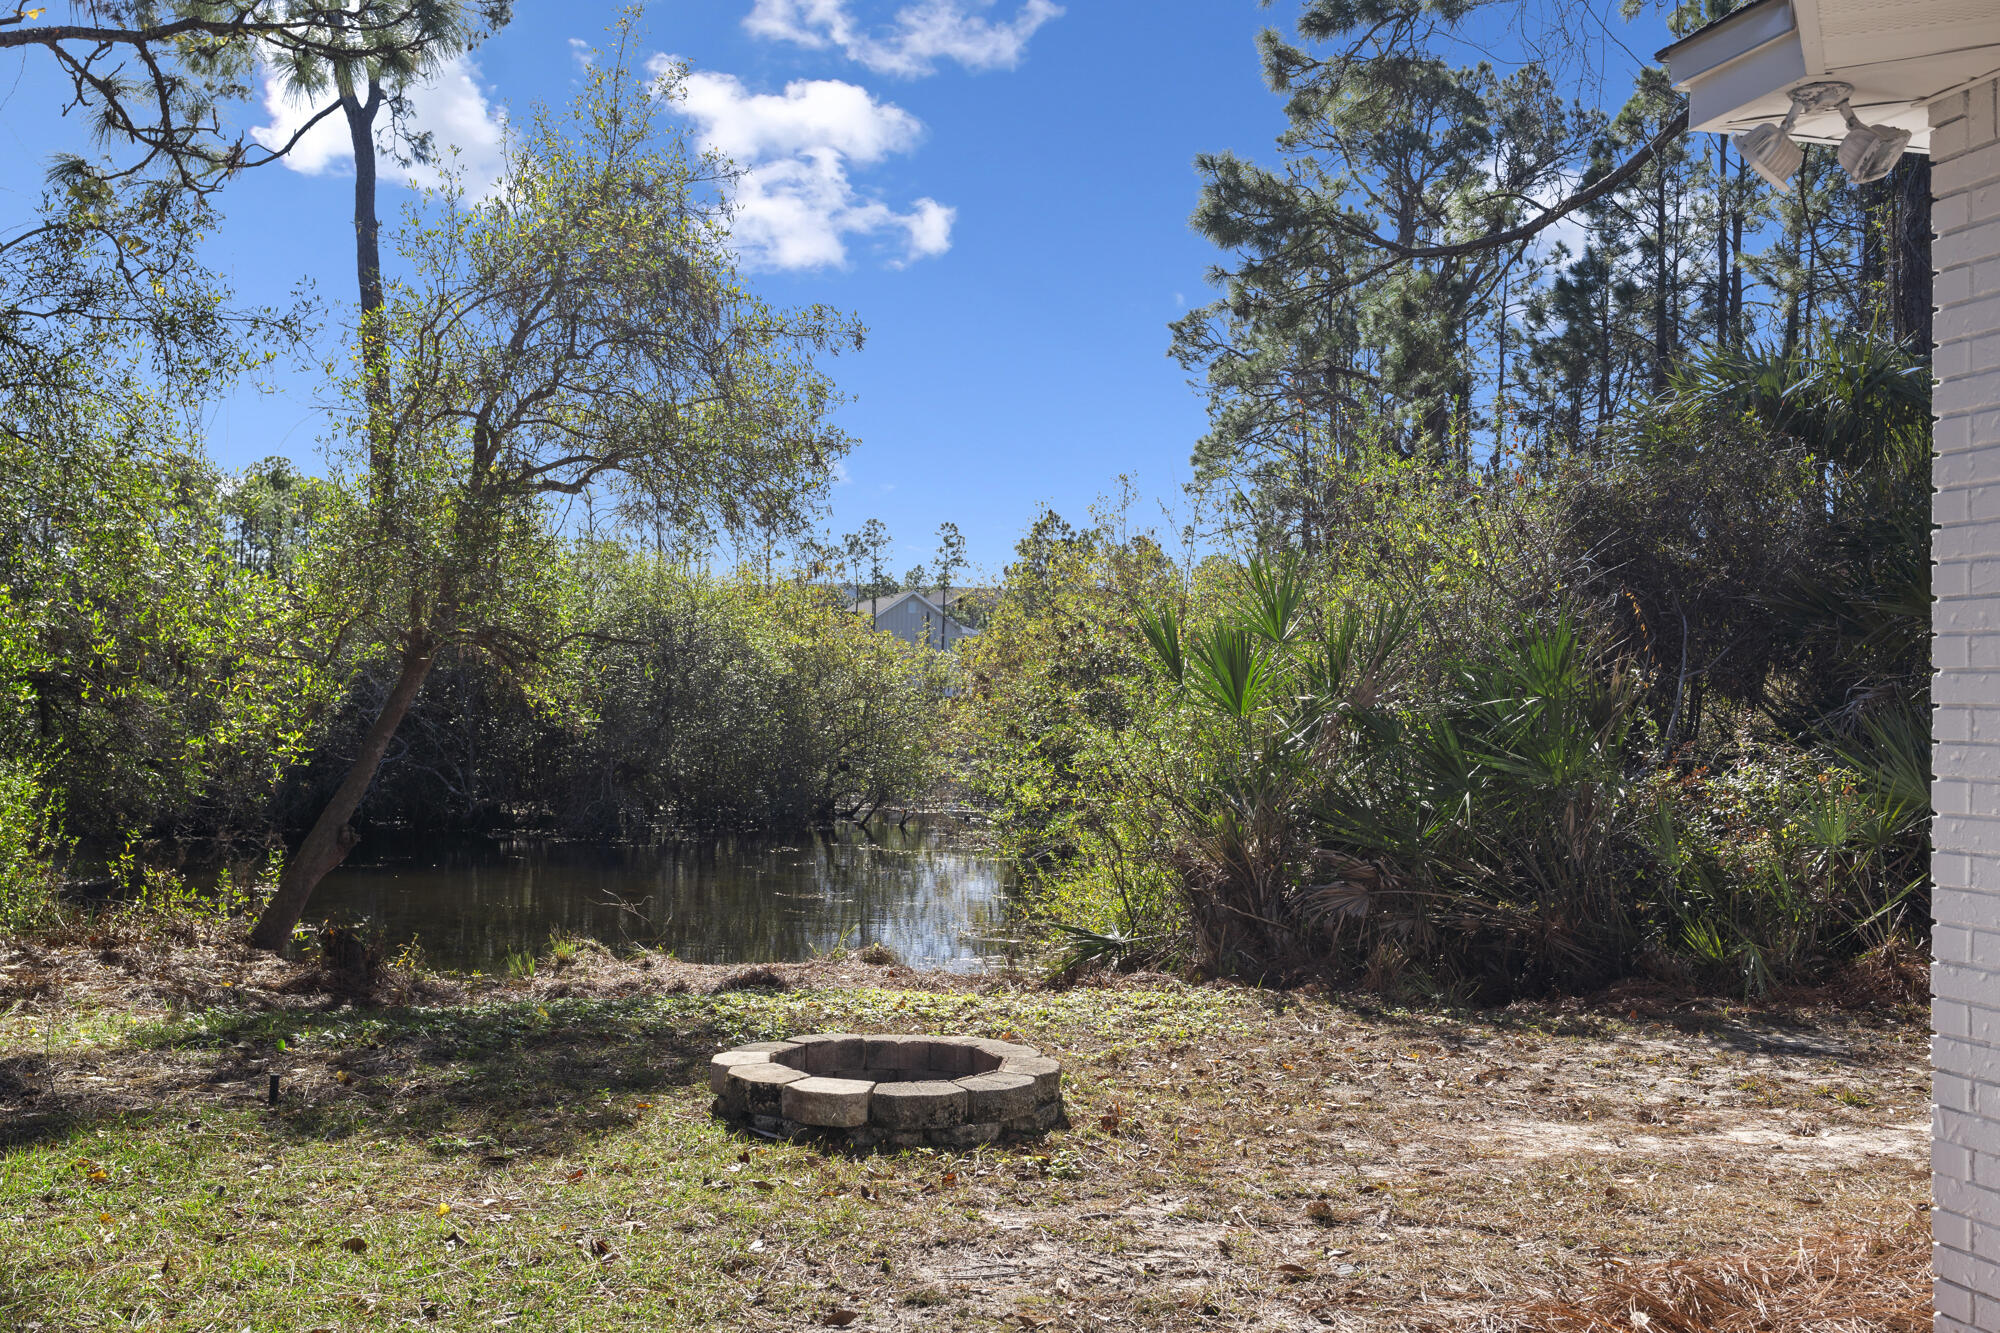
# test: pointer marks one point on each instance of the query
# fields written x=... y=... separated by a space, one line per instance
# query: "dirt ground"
x=453 y=1152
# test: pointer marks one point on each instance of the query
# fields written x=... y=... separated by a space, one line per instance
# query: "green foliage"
x=1656 y=713
x=1788 y=857
x=732 y=703
x=681 y=702
x=154 y=677
x=1494 y=817
x=579 y=337
x=28 y=878
x=1235 y=669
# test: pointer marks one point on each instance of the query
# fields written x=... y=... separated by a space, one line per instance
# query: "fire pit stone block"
x=890 y=1091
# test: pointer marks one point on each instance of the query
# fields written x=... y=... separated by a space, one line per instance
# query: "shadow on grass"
x=504 y=1079
x=1744 y=1027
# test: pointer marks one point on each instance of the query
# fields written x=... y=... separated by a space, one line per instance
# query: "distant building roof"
x=875 y=606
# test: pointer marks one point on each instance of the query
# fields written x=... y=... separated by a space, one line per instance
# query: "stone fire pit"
x=902 y=1092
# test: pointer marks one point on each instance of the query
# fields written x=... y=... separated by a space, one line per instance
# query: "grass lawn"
x=473 y=1155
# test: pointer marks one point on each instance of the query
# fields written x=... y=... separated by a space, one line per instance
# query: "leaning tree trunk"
x=332 y=838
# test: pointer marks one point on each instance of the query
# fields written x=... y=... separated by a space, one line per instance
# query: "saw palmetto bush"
x=1764 y=871
x=1470 y=834
x=1497 y=818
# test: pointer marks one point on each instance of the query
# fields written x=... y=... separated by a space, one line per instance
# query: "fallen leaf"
x=343 y=1077
x=354 y=1245
x=951 y=1177
x=574 y=1176
x=839 y=1318
x=1295 y=1272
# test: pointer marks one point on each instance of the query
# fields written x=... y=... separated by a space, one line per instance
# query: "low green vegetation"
x=539 y=1153
x=1659 y=713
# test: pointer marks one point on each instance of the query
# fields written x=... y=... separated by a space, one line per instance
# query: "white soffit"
x=1899 y=54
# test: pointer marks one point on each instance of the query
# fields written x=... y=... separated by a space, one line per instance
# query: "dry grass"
x=1823 y=1284
x=1240 y=1159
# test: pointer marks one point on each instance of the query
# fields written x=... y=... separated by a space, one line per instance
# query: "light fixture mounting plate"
x=1822 y=96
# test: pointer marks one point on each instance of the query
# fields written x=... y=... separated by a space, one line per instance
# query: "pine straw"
x=1824 y=1284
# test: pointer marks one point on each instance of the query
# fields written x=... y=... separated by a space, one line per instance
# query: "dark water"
x=469 y=903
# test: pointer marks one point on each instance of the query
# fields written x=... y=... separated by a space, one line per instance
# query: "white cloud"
x=930 y=228
x=450 y=106
x=915 y=38
x=796 y=206
x=811 y=114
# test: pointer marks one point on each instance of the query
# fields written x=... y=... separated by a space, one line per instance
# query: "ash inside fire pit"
x=902 y=1092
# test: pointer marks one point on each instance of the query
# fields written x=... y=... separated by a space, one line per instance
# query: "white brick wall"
x=1965 y=936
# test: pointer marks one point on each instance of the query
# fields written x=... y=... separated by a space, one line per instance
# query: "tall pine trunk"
x=332 y=838
x=360 y=111
x=1662 y=329
x=1909 y=252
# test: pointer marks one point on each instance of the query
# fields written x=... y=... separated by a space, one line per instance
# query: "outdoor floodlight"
x=1869 y=152
x=1769 y=149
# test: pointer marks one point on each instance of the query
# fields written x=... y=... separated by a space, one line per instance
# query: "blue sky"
x=998 y=188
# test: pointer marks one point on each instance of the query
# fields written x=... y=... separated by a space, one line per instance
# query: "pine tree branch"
x=1603 y=185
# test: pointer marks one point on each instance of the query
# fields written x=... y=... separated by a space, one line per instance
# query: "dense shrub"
x=155 y=681
x=679 y=702
x=731 y=702
x=177 y=662
x=1656 y=712
x=28 y=874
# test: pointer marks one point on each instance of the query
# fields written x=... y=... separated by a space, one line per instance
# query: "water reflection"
x=471 y=903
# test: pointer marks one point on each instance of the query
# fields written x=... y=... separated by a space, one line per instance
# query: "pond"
x=471 y=903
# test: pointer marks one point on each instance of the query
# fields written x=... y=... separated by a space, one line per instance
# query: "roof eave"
x=1738 y=31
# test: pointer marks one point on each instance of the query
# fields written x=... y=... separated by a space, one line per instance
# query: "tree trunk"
x=360 y=113
x=1662 y=330
x=1736 y=260
x=1605 y=349
x=1722 y=241
x=331 y=838
x=1910 y=253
